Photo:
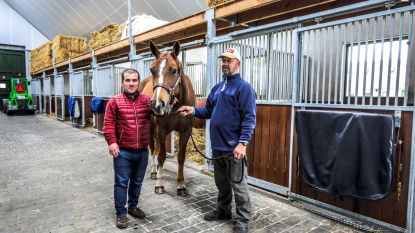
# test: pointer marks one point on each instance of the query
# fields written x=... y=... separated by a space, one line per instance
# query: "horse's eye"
x=173 y=71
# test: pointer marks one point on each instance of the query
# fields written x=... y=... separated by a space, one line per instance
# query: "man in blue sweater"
x=231 y=109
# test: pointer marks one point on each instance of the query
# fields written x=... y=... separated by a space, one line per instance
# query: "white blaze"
x=160 y=80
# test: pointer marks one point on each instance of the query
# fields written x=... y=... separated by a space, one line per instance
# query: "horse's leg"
x=181 y=157
x=153 y=151
x=159 y=189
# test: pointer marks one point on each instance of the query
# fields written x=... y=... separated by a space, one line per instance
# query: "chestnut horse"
x=169 y=89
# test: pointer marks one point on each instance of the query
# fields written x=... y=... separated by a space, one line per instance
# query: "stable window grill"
x=359 y=61
x=197 y=73
x=267 y=62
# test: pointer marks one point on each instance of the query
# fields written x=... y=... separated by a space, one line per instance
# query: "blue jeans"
x=129 y=170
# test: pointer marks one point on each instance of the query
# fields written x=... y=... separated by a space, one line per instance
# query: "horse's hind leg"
x=184 y=138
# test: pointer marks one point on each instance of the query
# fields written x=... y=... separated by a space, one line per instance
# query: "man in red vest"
x=127 y=132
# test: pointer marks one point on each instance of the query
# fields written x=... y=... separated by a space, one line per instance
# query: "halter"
x=170 y=90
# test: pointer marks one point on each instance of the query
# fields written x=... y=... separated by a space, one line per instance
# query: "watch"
x=244 y=143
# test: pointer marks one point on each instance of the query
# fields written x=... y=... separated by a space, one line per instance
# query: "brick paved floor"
x=57 y=178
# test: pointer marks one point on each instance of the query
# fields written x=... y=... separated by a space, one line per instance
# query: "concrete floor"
x=57 y=178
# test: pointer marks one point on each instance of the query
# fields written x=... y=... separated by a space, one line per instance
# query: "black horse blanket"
x=346 y=153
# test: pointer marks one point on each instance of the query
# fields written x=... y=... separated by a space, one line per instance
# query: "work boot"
x=136 y=213
x=216 y=215
x=121 y=222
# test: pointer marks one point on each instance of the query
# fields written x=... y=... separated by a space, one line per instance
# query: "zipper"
x=136 y=121
x=122 y=132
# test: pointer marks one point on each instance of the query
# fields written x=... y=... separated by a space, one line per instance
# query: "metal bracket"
x=389 y=5
x=398 y=116
x=318 y=20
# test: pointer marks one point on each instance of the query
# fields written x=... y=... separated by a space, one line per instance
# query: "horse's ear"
x=154 y=50
x=176 y=48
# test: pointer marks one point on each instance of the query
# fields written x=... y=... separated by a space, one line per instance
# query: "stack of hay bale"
x=64 y=47
x=212 y=3
x=107 y=35
x=191 y=153
x=41 y=57
x=68 y=46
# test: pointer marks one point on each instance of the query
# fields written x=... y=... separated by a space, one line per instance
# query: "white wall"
x=15 y=30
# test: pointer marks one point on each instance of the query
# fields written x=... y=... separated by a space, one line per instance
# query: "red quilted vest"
x=127 y=122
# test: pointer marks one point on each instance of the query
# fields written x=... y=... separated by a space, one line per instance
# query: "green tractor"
x=19 y=98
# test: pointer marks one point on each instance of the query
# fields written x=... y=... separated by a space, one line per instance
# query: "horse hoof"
x=153 y=175
x=159 y=189
x=182 y=192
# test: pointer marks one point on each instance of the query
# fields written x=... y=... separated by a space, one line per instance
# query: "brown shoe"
x=121 y=222
x=136 y=213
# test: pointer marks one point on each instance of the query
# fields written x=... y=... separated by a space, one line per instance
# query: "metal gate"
x=47 y=96
x=36 y=91
x=61 y=94
x=80 y=87
x=365 y=64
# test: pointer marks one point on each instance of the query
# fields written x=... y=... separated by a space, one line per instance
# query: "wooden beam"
x=241 y=6
x=283 y=7
x=180 y=25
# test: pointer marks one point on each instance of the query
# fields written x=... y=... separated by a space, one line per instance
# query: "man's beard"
x=226 y=72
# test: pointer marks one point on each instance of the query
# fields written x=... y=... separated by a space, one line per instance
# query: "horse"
x=169 y=89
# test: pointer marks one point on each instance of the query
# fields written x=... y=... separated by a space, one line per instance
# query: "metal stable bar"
x=307 y=68
x=343 y=65
x=330 y=66
x=323 y=90
x=350 y=58
x=381 y=58
x=375 y=26
x=318 y=65
x=291 y=72
x=359 y=34
x=409 y=58
x=398 y=68
x=301 y=81
x=284 y=54
x=269 y=67
x=297 y=41
x=392 y=25
x=365 y=64
x=312 y=67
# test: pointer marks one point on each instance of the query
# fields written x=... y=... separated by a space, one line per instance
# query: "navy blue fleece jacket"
x=231 y=109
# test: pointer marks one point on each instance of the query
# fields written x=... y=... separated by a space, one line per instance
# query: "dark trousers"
x=223 y=168
x=129 y=170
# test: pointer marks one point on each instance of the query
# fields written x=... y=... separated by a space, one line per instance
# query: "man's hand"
x=186 y=110
x=239 y=152
x=114 y=149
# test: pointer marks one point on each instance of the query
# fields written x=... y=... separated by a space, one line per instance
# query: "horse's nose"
x=152 y=104
x=162 y=103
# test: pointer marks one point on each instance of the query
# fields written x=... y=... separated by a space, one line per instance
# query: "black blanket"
x=345 y=153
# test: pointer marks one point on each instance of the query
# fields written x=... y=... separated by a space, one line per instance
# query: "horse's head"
x=167 y=72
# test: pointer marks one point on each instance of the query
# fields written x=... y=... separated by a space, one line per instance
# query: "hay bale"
x=107 y=35
x=191 y=153
x=68 y=46
x=212 y=3
x=41 y=57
